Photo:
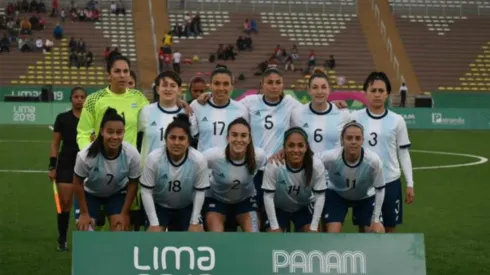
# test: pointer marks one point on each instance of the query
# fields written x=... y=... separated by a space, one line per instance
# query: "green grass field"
x=450 y=208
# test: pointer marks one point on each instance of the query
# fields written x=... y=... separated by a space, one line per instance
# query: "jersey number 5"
x=268 y=123
x=374 y=139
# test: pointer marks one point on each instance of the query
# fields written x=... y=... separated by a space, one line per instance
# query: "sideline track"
x=479 y=160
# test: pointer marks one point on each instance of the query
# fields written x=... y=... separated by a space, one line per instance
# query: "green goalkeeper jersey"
x=127 y=104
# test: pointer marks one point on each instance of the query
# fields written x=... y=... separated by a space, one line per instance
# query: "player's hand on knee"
x=154 y=228
x=85 y=222
x=277 y=158
x=409 y=195
x=203 y=98
x=377 y=227
x=52 y=174
x=196 y=228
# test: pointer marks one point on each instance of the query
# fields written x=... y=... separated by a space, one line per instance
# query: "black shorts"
x=64 y=169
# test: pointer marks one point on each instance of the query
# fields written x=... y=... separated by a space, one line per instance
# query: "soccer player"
x=321 y=120
x=232 y=194
x=174 y=181
x=106 y=174
x=385 y=132
x=132 y=80
x=291 y=188
x=210 y=121
x=154 y=118
x=62 y=162
x=356 y=180
x=127 y=102
x=197 y=86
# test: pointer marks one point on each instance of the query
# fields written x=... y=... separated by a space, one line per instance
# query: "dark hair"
x=133 y=75
x=318 y=74
x=377 y=76
x=269 y=71
x=78 y=88
x=308 y=157
x=221 y=69
x=170 y=74
x=180 y=121
x=97 y=146
x=194 y=80
x=114 y=59
x=250 y=153
x=349 y=125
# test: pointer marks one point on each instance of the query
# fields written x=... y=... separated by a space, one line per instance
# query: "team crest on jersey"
x=134 y=105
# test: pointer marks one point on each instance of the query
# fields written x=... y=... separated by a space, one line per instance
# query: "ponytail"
x=98 y=145
x=250 y=152
x=308 y=157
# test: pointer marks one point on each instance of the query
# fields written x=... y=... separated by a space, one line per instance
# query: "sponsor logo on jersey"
x=257 y=113
x=222 y=175
x=204 y=119
x=165 y=177
x=153 y=123
x=305 y=125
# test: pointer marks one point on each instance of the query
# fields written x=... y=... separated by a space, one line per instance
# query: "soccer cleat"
x=62 y=246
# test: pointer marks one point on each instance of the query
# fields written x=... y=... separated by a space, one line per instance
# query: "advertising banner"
x=179 y=253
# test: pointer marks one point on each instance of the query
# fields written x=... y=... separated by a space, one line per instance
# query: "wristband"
x=52 y=162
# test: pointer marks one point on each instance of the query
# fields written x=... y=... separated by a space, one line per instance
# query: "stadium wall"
x=461 y=100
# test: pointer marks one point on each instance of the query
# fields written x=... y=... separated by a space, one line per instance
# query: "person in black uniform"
x=62 y=162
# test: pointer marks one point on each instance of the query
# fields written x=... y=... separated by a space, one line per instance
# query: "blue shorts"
x=392 y=210
x=177 y=219
x=258 y=188
x=299 y=218
x=230 y=210
x=336 y=208
x=112 y=205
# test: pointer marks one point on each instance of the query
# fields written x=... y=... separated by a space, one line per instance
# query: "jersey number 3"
x=374 y=139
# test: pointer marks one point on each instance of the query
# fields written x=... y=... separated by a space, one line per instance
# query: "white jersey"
x=105 y=177
x=269 y=121
x=173 y=184
x=323 y=128
x=211 y=122
x=291 y=191
x=384 y=135
x=353 y=181
x=232 y=182
x=153 y=121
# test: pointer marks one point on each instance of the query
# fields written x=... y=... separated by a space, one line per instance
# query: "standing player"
x=290 y=188
x=132 y=80
x=356 y=180
x=62 y=162
x=197 y=86
x=106 y=174
x=385 y=132
x=211 y=120
x=232 y=194
x=154 y=118
x=321 y=120
x=174 y=180
x=128 y=103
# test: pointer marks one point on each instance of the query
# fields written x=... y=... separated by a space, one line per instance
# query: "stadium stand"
x=447 y=61
x=327 y=34
x=38 y=68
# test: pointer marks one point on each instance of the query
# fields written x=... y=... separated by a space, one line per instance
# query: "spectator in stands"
x=187 y=24
x=161 y=55
x=289 y=63
x=41 y=7
x=220 y=53
x=89 y=59
x=25 y=26
x=167 y=40
x=177 y=30
x=196 y=25
x=58 y=32
x=36 y=23
x=72 y=44
x=48 y=45
x=63 y=15
x=247 y=27
x=167 y=62
x=248 y=43
x=240 y=44
x=3 y=22
x=10 y=9
x=73 y=58
x=73 y=6
x=54 y=8
x=4 y=44
x=39 y=44
x=294 y=52
x=230 y=52
x=176 y=57
x=91 y=5
x=403 y=94
x=24 y=6
x=120 y=9
x=33 y=6
x=311 y=59
x=25 y=44
x=331 y=63
x=253 y=26
x=82 y=15
x=81 y=46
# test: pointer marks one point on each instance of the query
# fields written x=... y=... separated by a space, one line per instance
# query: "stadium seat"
x=119 y=30
x=210 y=21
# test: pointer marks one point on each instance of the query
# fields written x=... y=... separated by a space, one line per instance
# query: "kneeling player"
x=103 y=170
x=174 y=180
x=233 y=168
x=356 y=180
x=290 y=188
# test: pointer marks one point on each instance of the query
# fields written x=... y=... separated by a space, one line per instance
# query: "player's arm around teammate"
x=101 y=175
x=174 y=181
x=291 y=188
x=232 y=194
x=356 y=181
x=62 y=162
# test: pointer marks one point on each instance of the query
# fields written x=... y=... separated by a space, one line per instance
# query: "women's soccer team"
x=264 y=163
